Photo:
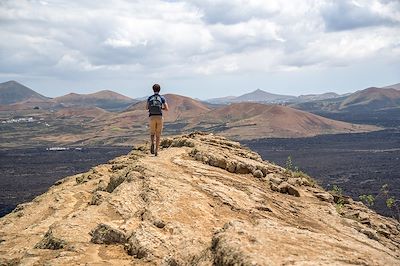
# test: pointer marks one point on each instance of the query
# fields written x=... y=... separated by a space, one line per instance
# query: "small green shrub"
x=392 y=203
x=289 y=163
x=367 y=199
x=338 y=191
x=294 y=171
x=339 y=206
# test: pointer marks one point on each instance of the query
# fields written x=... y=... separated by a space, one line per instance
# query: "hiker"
x=155 y=104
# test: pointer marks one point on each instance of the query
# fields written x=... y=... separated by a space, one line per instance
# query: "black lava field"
x=357 y=163
x=27 y=173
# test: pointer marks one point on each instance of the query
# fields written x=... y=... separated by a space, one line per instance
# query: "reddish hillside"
x=181 y=108
x=104 y=99
x=104 y=94
x=372 y=99
x=30 y=104
x=251 y=120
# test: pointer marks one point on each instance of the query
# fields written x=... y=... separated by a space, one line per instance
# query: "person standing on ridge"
x=155 y=104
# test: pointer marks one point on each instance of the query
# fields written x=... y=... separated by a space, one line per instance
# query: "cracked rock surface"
x=204 y=200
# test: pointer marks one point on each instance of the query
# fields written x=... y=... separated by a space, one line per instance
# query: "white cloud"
x=156 y=38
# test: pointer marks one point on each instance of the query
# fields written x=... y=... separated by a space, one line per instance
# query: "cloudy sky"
x=200 y=48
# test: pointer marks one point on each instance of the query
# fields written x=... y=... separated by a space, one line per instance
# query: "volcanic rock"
x=204 y=200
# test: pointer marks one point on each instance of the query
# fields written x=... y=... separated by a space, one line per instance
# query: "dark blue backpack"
x=155 y=105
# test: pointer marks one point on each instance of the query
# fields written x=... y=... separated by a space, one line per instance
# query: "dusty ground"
x=203 y=201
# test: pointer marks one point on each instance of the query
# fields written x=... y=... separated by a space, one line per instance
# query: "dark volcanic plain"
x=27 y=173
x=357 y=163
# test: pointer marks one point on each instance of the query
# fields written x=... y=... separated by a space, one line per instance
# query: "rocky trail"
x=204 y=200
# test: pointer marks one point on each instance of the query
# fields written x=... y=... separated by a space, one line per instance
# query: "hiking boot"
x=152 y=148
x=155 y=153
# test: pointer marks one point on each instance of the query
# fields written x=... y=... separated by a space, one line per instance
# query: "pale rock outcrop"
x=204 y=200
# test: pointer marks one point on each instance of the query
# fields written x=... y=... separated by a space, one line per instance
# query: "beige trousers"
x=156 y=125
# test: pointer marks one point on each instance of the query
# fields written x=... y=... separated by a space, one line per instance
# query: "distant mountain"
x=394 y=86
x=254 y=120
x=15 y=96
x=12 y=92
x=261 y=96
x=258 y=95
x=105 y=99
x=371 y=99
x=265 y=97
x=319 y=106
x=88 y=125
x=221 y=100
x=375 y=106
x=317 y=97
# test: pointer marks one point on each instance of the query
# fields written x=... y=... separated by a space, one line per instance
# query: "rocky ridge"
x=204 y=200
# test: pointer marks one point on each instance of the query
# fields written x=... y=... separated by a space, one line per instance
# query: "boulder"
x=49 y=241
x=264 y=170
x=115 y=181
x=337 y=198
x=177 y=142
x=258 y=174
x=274 y=179
x=364 y=218
x=226 y=248
x=98 y=197
x=159 y=223
x=166 y=142
x=219 y=162
x=324 y=196
x=101 y=186
x=242 y=168
x=286 y=188
x=136 y=248
x=370 y=233
x=82 y=178
x=294 y=181
x=308 y=181
x=118 y=166
x=106 y=234
x=231 y=166
x=274 y=187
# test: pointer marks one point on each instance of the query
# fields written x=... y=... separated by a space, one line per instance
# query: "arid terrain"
x=374 y=106
x=95 y=126
x=357 y=163
x=204 y=201
x=27 y=173
x=28 y=119
x=199 y=133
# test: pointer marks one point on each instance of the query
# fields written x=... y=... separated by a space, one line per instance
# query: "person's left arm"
x=165 y=105
x=166 y=108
